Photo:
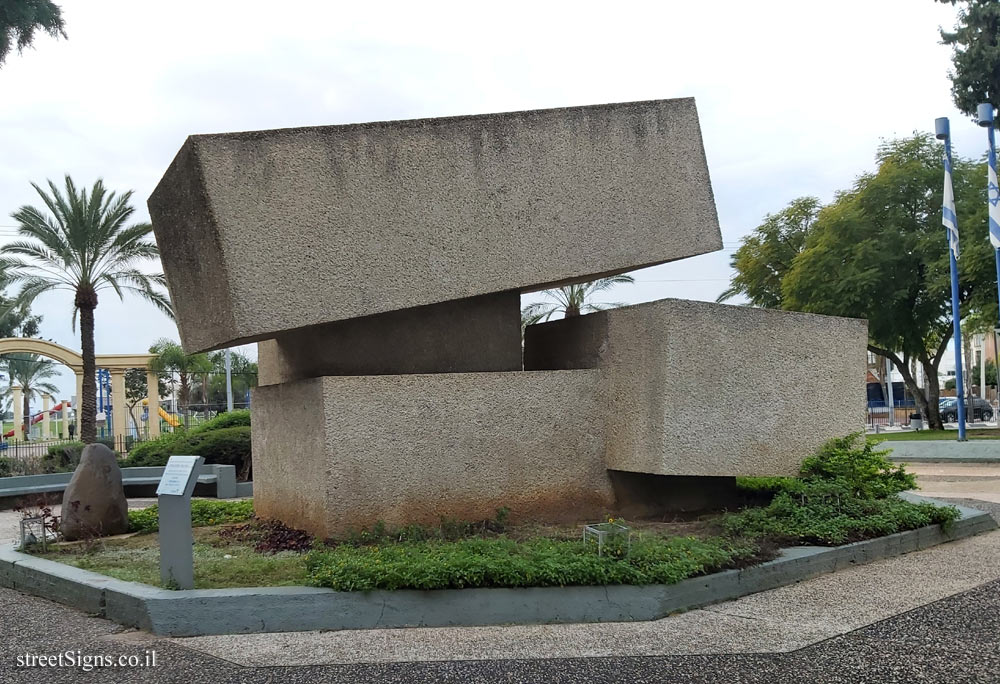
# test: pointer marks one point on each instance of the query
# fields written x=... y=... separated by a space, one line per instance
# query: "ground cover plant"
x=847 y=491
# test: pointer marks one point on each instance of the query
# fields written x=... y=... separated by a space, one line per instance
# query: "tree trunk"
x=88 y=402
x=933 y=395
x=911 y=384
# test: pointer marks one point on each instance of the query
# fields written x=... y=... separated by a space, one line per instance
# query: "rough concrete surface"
x=271 y=231
x=694 y=388
x=411 y=448
x=464 y=336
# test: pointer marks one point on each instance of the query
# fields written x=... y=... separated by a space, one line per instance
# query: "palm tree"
x=84 y=246
x=170 y=358
x=572 y=300
x=32 y=372
x=19 y=19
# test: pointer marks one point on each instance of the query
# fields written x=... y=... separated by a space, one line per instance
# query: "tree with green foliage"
x=171 y=358
x=33 y=374
x=20 y=19
x=879 y=252
x=17 y=320
x=84 y=244
x=975 y=43
x=572 y=300
x=244 y=377
x=765 y=255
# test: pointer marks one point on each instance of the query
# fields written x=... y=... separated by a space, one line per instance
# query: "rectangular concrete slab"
x=412 y=448
x=270 y=231
x=694 y=388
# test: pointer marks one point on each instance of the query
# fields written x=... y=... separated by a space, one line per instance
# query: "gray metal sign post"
x=176 y=541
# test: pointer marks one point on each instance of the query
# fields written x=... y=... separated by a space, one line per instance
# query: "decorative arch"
x=51 y=350
x=117 y=364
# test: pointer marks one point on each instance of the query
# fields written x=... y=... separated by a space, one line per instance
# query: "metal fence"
x=38 y=456
x=878 y=414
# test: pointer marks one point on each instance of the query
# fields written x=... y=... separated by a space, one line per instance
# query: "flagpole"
x=985 y=115
x=950 y=219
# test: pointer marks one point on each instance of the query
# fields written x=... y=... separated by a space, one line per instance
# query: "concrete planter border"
x=944 y=451
x=288 y=609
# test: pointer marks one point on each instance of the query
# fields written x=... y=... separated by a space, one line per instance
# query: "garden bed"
x=846 y=493
x=846 y=507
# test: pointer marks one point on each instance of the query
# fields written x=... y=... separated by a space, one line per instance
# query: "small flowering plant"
x=612 y=537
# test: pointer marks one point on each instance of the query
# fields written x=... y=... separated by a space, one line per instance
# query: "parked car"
x=979 y=410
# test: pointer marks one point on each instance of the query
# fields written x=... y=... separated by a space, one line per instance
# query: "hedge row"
x=224 y=446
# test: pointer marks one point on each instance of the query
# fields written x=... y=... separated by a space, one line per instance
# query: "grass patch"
x=921 y=435
x=138 y=560
x=203 y=512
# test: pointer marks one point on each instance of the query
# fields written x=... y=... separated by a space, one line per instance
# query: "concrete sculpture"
x=380 y=265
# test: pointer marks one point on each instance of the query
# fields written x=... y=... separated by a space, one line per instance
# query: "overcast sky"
x=793 y=96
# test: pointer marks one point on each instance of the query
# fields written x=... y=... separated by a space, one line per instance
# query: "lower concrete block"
x=413 y=448
x=693 y=388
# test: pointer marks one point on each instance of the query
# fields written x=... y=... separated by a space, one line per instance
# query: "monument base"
x=336 y=454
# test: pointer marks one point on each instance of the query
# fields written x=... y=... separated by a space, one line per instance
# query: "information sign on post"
x=176 y=540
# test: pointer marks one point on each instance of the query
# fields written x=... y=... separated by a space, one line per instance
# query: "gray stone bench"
x=222 y=477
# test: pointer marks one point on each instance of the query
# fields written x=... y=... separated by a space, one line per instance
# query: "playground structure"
x=171 y=419
x=115 y=364
x=44 y=416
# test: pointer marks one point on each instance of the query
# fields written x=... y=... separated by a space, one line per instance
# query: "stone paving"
x=928 y=616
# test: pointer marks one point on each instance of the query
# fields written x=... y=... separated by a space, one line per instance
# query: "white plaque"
x=176 y=475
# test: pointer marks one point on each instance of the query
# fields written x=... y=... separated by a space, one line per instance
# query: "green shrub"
x=846 y=492
x=62 y=458
x=503 y=562
x=203 y=512
x=225 y=446
x=854 y=461
x=765 y=485
x=144 y=451
x=6 y=467
x=237 y=418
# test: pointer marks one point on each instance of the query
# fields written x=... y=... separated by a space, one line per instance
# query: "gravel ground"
x=952 y=640
x=955 y=639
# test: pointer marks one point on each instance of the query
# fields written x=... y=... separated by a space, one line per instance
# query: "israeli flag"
x=993 y=196
x=948 y=217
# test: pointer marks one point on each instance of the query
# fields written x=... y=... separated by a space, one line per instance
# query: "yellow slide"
x=171 y=420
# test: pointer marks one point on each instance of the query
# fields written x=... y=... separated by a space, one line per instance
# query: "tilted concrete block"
x=271 y=231
x=336 y=454
x=692 y=388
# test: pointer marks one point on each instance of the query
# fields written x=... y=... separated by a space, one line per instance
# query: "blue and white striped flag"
x=993 y=196
x=948 y=217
